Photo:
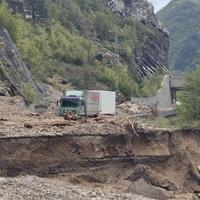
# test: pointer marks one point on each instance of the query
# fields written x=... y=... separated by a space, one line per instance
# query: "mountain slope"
x=181 y=17
x=89 y=44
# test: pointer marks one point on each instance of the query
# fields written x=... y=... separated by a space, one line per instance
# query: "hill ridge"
x=182 y=20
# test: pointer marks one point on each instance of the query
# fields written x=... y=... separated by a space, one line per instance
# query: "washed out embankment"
x=50 y=154
x=163 y=163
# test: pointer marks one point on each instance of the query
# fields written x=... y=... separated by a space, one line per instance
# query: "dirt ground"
x=155 y=163
x=15 y=116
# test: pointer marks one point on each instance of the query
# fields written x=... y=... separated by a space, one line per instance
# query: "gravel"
x=34 y=188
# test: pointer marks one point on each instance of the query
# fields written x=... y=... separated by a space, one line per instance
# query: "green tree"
x=104 y=26
x=13 y=23
x=28 y=93
x=190 y=98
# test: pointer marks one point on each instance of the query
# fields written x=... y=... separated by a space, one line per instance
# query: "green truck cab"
x=73 y=105
x=72 y=102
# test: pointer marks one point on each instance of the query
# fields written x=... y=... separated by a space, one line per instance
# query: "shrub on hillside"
x=190 y=97
x=28 y=93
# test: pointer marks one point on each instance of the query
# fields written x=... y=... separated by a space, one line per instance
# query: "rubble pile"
x=134 y=109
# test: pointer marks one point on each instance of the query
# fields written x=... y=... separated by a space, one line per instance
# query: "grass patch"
x=172 y=122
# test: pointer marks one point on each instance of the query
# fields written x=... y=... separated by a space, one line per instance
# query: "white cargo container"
x=100 y=102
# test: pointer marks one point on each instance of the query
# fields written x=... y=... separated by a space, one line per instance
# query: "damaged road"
x=114 y=155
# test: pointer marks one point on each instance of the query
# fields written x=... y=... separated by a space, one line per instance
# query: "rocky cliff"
x=13 y=69
x=152 y=56
x=17 y=79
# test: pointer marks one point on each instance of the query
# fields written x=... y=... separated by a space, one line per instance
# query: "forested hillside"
x=181 y=17
x=85 y=44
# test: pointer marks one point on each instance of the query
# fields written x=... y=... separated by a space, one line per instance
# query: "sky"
x=158 y=4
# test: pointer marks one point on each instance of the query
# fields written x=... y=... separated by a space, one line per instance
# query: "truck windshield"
x=69 y=102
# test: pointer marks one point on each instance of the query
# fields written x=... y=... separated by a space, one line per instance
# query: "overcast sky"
x=158 y=4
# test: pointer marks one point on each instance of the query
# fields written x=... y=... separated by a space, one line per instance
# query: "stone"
x=142 y=187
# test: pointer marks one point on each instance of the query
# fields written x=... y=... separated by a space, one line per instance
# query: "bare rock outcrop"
x=153 y=55
x=140 y=10
x=13 y=70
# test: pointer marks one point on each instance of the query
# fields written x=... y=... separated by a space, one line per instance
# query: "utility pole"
x=116 y=41
x=33 y=9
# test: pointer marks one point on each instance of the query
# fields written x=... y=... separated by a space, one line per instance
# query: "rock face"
x=12 y=67
x=154 y=53
x=16 y=78
x=140 y=10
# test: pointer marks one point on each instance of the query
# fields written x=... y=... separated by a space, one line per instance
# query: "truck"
x=87 y=102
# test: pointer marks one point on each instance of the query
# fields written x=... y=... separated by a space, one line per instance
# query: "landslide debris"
x=152 y=177
x=28 y=123
x=115 y=155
